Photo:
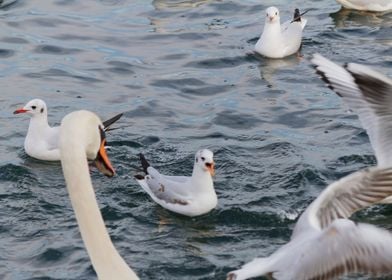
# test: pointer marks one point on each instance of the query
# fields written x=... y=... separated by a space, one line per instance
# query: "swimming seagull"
x=325 y=244
x=190 y=196
x=277 y=40
x=369 y=94
x=367 y=5
x=41 y=141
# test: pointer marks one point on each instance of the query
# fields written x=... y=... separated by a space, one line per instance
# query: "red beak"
x=21 y=110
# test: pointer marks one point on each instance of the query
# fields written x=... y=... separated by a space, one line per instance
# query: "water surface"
x=184 y=74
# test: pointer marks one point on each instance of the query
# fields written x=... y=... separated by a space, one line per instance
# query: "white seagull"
x=190 y=196
x=82 y=137
x=325 y=244
x=367 y=5
x=41 y=141
x=277 y=40
x=369 y=94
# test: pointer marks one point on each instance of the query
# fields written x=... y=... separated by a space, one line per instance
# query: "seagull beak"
x=271 y=18
x=211 y=168
x=19 y=111
x=102 y=161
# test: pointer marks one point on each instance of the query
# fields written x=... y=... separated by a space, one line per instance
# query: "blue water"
x=184 y=74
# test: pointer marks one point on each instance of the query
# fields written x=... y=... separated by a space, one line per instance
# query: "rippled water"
x=184 y=74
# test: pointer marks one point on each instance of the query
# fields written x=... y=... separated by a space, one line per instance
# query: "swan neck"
x=104 y=257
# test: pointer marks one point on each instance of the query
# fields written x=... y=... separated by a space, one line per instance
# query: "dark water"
x=182 y=72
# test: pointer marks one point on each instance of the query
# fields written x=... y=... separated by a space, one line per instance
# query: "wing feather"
x=170 y=191
x=346 y=196
x=345 y=247
x=369 y=94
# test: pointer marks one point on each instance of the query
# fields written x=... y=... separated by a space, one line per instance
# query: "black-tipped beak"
x=20 y=111
x=211 y=168
x=102 y=161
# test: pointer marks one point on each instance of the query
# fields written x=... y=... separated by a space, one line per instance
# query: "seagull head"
x=272 y=15
x=205 y=160
x=35 y=107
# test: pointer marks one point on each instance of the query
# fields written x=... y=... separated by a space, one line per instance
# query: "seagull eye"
x=267 y=14
x=33 y=107
x=203 y=158
x=276 y=13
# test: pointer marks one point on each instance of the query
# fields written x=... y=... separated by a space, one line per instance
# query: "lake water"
x=184 y=74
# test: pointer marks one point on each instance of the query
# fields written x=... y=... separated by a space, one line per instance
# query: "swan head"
x=35 y=108
x=86 y=129
x=272 y=15
x=204 y=159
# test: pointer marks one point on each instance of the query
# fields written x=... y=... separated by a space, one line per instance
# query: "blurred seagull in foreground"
x=278 y=40
x=367 y=5
x=42 y=140
x=369 y=94
x=190 y=196
x=325 y=244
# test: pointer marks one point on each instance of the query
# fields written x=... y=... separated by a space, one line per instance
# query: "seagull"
x=366 y=5
x=369 y=94
x=41 y=141
x=325 y=244
x=277 y=40
x=189 y=196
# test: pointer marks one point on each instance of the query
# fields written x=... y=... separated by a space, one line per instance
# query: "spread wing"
x=346 y=196
x=369 y=94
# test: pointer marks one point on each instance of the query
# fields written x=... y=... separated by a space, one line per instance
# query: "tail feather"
x=139 y=177
x=297 y=15
x=109 y=122
x=144 y=163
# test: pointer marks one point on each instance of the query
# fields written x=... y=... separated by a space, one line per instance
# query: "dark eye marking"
x=203 y=158
x=42 y=110
x=33 y=107
x=276 y=13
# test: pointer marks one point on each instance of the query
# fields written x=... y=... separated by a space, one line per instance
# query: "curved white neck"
x=106 y=261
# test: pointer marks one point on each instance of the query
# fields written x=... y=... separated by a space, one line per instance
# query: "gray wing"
x=345 y=247
x=346 y=196
x=170 y=189
x=369 y=94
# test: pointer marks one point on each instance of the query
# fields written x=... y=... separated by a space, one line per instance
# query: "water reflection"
x=346 y=18
x=178 y=4
x=269 y=67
